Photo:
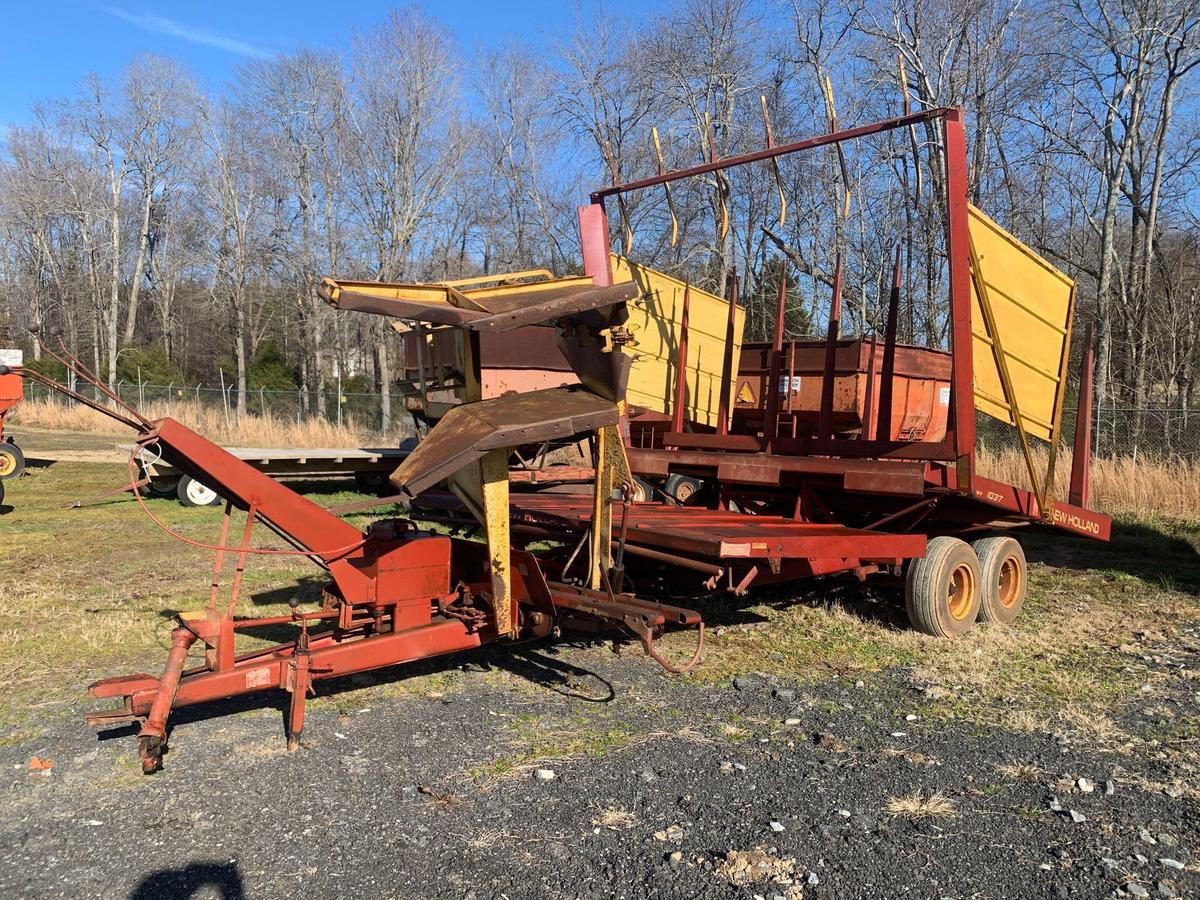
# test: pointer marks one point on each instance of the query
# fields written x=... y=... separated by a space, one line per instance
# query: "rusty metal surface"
x=917 y=402
x=718 y=534
x=466 y=432
x=876 y=476
x=514 y=310
x=413 y=310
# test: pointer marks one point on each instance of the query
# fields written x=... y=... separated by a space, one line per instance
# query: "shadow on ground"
x=223 y=880
x=1165 y=556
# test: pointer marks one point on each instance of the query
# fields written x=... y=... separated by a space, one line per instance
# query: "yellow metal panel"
x=657 y=316
x=1032 y=303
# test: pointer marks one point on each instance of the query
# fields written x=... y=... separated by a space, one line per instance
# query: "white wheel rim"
x=200 y=494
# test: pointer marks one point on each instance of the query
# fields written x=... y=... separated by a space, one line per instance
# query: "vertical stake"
x=888 y=376
x=771 y=418
x=1081 y=458
x=681 y=363
x=825 y=416
x=727 y=373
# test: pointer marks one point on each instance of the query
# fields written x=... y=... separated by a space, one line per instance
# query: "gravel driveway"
x=571 y=772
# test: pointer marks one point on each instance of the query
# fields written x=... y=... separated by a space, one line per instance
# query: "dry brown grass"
x=1122 y=486
x=239 y=431
x=614 y=818
x=1019 y=771
x=752 y=866
x=917 y=806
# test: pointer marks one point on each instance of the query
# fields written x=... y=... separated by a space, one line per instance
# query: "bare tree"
x=404 y=147
x=157 y=130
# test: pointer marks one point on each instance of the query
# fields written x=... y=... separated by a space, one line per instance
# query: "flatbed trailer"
x=370 y=466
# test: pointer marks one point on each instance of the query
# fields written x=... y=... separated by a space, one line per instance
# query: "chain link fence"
x=1117 y=431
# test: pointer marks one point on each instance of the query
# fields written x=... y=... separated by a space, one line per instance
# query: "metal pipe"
x=771 y=412
x=53 y=385
x=671 y=559
x=772 y=152
x=879 y=523
x=632 y=549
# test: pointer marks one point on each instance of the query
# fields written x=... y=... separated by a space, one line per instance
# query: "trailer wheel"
x=642 y=492
x=12 y=460
x=371 y=482
x=1003 y=576
x=164 y=485
x=683 y=488
x=195 y=493
x=941 y=592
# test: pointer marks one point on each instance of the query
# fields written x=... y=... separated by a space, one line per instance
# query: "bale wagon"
x=873 y=475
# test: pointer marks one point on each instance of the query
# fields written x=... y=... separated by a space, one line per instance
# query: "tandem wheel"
x=1003 y=577
x=942 y=589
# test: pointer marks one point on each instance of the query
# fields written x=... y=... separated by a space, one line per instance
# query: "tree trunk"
x=139 y=267
x=239 y=350
x=385 y=380
x=114 y=294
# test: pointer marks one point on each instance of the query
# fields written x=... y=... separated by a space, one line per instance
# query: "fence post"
x=141 y=389
x=299 y=403
x=262 y=402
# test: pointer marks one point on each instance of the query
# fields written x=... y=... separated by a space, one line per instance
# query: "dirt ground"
x=822 y=750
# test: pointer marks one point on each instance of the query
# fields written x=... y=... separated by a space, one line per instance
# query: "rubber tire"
x=684 y=485
x=994 y=553
x=201 y=497
x=371 y=482
x=164 y=485
x=928 y=585
x=1 y=491
x=15 y=460
x=643 y=491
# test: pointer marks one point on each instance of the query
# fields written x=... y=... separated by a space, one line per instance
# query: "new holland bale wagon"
x=872 y=473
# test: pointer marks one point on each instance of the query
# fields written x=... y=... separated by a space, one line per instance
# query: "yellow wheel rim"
x=962 y=592
x=8 y=463
x=1010 y=582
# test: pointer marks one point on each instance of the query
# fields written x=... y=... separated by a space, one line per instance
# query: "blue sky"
x=52 y=44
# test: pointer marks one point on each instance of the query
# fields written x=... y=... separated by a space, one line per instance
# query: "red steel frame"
x=949 y=464
x=396 y=594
